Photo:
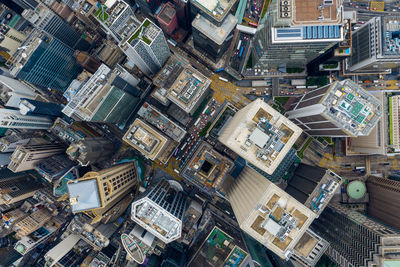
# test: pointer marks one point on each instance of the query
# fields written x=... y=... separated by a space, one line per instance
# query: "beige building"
x=149 y=141
x=31 y=223
x=261 y=135
x=25 y=156
x=17 y=188
x=97 y=192
x=376 y=142
x=268 y=214
x=10 y=40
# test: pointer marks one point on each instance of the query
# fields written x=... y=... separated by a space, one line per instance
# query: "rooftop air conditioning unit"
x=328 y=2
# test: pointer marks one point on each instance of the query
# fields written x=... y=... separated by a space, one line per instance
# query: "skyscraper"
x=384 y=192
x=294 y=32
x=39 y=108
x=45 y=62
x=167 y=18
x=90 y=150
x=356 y=240
x=11 y=118
x=97 y=192
x=147 y=48
x=160 y=211
x=261 y=135
x=375 y=46
x=17 y=188
x=342 y=108
x=14 y=90
x=25 y=156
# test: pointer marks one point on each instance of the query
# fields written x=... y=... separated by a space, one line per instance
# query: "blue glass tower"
x=51 y=65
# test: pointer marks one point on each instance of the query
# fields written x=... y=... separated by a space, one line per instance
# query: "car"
x=367 y=8
x=362 y=22
x=350 y=3
x=356 y=6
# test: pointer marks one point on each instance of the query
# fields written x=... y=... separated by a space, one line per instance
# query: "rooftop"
x=316 y=11
x=261 y=135
x=351 y=108
x=391 y=31
x=185 y=85
x=165 y=125
x=215 y=33
x=218 y=9
x=167 y=13
x=84 y=195
x=207 y=168
x=147 y=32
x=145 y=138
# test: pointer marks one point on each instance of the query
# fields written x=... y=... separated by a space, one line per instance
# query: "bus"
x=223 y=79
x=219 y=70
x=172 y=42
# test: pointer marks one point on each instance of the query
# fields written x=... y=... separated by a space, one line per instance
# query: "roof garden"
x=101 y=13
x=142 y=33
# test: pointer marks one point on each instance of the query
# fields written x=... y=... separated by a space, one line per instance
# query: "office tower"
x=152 y=143
x=88 y=62
x=376 y=142
x=32 y=222
x=185 y=86
x=45 y=62
x=25 y=156
x=160 y=210
x=17 y=188
x=90 y=150
x=261 y=135
x=394 y=123
x=211 y=39
x=54 y=167
x=13 y=119
x=182 y=8
x=61 y=249
x=356 y=240
x=273 y=217
x=189 y=222
x=295 y=32
x=106 y=96
x=148 y=6
x=376 y=46
x=147 y=48
x=110 y=53
x=383 y=204
x=10 y=142
x=46 y=20
x=12 y=90
x=39 y=108
x=342 y=108
x=75 y=131
x=207 y=169
x=10 y=40
x=167 y=18
x=97 y=192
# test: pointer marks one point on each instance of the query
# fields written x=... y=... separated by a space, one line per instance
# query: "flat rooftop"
x=157 y=119
x=118 y=17
x=261 y=135
x=167 y=13
x=217 y=9
x=391 y=32
x=146 y=32
x=279 y=222
x=316 y=11
x=352 y=108
x=215 y=33
x=145 y=138
x=207 y=168
x=185 y=85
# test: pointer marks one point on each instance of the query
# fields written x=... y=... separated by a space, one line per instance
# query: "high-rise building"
x=273 y=217
x=17 y=188
x=183 y=14
x=32 y=222
x=167 y=18
x=10 y=142
x=152 y=143
x=342 y=108
x=90 y=150
x=25 y=156
x=377 y=141
x=73 y=132
x=149 y=6
x=147 y=48
x=88 y=62
x=45 y=62
x=356 y=240
x=61 y=249
x=97 y=192
x=10 y=40
x=383 y=204
x=109 y=95
x=394 y=123
x=13 y=90
x=375 y=46
x=39 y=108
x=294 y=32
x=185 y=86
x=261 y=135
x=13 y=119
x=52 y=168
x=46 y=20
x=160 y=211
